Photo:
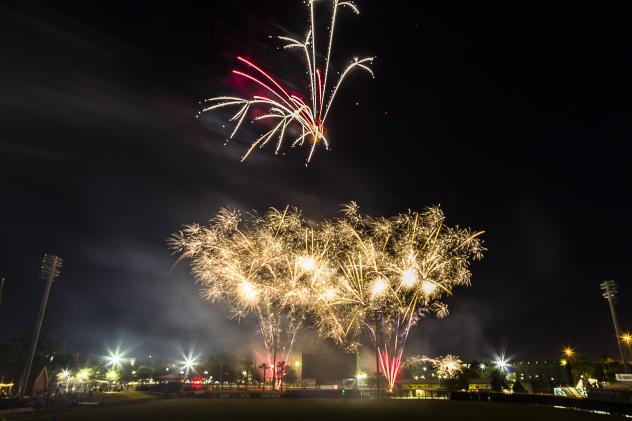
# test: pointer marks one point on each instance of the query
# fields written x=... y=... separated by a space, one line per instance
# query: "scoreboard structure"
x=329 y=368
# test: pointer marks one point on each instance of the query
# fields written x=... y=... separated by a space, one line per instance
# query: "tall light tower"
x=51 y=265
x=609 y=292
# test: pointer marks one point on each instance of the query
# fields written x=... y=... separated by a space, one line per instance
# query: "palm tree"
x=264 y=367
x=280 y=373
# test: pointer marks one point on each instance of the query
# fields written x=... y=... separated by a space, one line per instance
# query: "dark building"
x=329 y=368
x=620 y=392
x=541 y=375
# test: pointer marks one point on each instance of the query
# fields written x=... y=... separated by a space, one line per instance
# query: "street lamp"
x=569 y=353
x=609 y=289
x=189 y=362
x=501 y=363
x=114 y=360
x=627 y=339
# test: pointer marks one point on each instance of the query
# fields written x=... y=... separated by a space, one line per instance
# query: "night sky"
x=515 y=119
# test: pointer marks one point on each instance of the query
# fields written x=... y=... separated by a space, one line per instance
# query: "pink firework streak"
x=395 y=338
x=390 y=367
x=285 y=109
x=281 y=372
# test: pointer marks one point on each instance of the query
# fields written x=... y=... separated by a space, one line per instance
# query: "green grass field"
x=317 y=409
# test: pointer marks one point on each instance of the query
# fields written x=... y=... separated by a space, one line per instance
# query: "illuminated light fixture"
x=188 y=362
x=568 y=352
x=501 y=363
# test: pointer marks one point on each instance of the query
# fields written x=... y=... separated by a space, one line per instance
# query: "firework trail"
x=284 y=108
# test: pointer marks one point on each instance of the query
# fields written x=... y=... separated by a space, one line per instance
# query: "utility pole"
x=51 y=265
x=2 y=281
x=609 y=289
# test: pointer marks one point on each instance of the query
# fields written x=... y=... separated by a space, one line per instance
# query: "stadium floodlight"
x=609 y=292
x=50 y=269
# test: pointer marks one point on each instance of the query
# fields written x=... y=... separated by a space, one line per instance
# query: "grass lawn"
x=118 y=396
x=318 y=409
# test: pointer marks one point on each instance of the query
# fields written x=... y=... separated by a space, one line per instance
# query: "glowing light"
x=501 y=363
x=64 y=375
x=409 y=278
x=115 y=358
x=83 y=374
x=627 y=338
x=285 y=109
x=379 y=287
x=112 y=375
x=188 y=362
x=197 y=382
x=449 y=365
x=308 y=263
x=446 y=366
x=248 y=292
x=330 y=294
x=428 y=287
x=482 y=366
x=568 y=352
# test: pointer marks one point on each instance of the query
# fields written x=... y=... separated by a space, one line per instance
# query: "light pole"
x=2 y=281
x=51 y=265
x=569 y=353
x=609 y=289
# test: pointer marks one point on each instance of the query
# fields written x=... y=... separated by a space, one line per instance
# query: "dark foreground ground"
x=317 y=409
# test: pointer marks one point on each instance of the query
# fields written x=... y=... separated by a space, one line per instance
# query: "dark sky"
x=515 y=118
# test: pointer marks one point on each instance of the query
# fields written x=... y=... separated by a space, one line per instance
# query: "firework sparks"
x=392 y=272
x=256 y=264
x=285 y=109
x=352 y=274
x=449 y=365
